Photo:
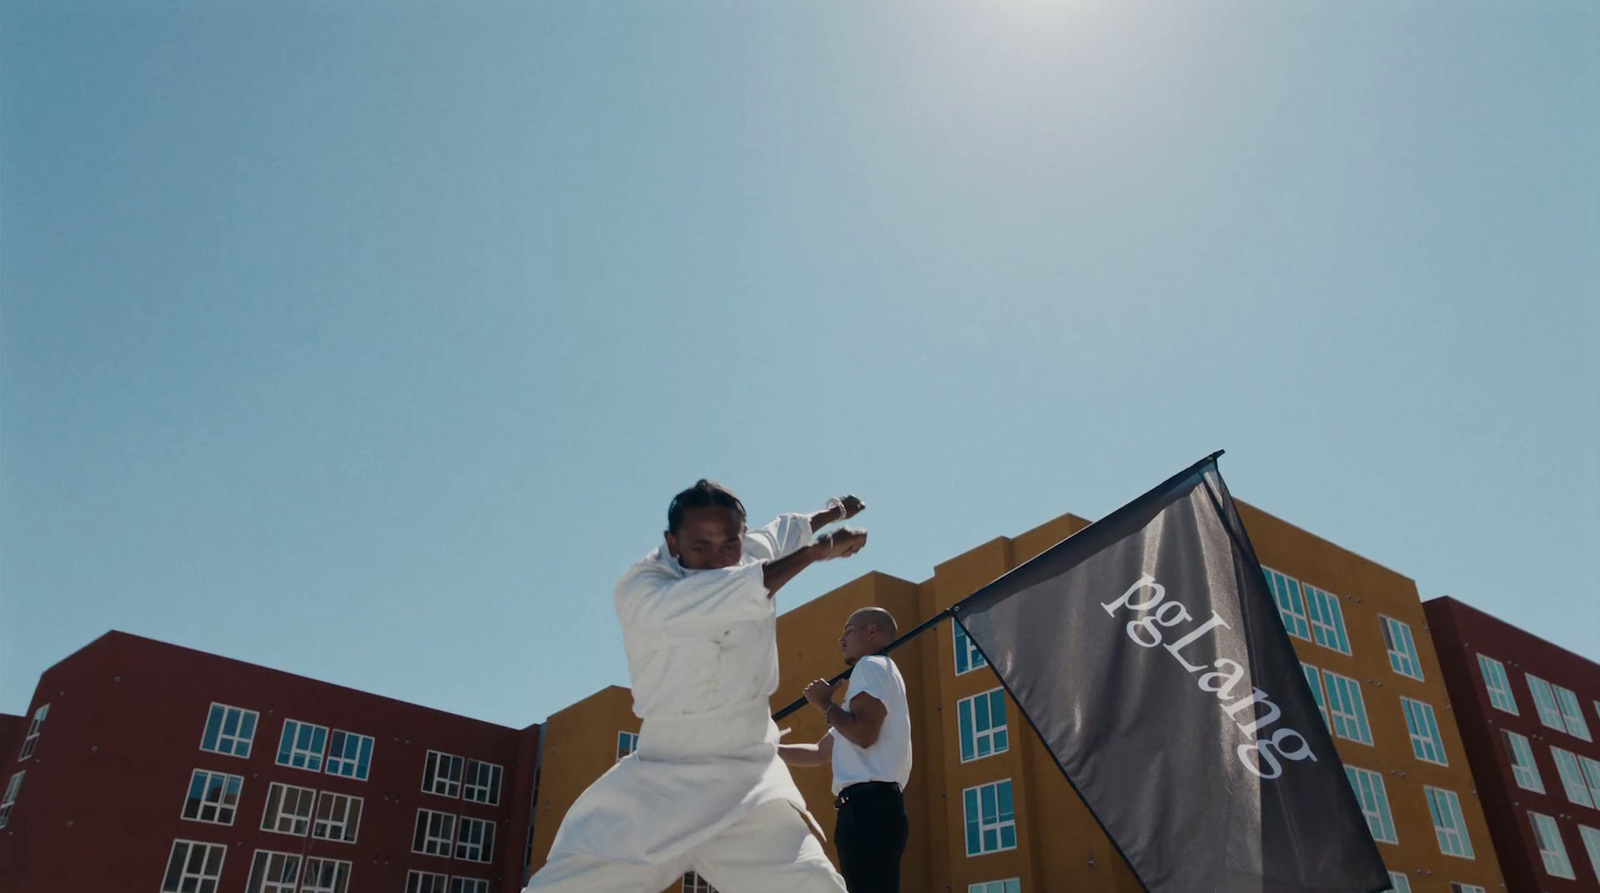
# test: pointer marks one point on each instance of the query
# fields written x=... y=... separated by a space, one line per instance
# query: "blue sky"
x=369 y=340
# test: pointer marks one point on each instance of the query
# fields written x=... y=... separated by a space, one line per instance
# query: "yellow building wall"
x=1060 y=846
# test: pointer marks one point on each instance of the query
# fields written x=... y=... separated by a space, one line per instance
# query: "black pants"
x=871 y=836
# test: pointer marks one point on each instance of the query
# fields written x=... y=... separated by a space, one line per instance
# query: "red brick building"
x=144 y=766
x=1528 y=712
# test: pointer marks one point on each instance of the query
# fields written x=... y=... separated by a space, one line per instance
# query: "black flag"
x=1149 y=656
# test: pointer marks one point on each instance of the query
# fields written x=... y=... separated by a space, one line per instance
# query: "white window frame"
x=205 y=880
x=312 y=880
x=1399 y=883
x=999 y=825
x=1329 y=632
x=274 y=814
x=1572 y=713
x=261 y=867
x=1350 y=724
x=1572 y=778
x=433 y=844
x=1373 y=797
x=1591 y=845
x=442 y=784
x=1591 y=774
x=1549 y=712
x=1455 y=828
x=1402 y=652
x=1546 y=833
x=1498 y=685
x=311 y=755
x=967 y=712
x=1526 y=773
x=1296 y=620
x=1424 y=741
x=35 y=726
x=475 y=839
x=237 y=744
x=694 y=883
x=342 y=762
x=968 y=658
x=460 y=884
x=487 y=792
x=1009 y=885
x=334 y=823
x=230 y=784
x=9 y=802
x=627 y=743
x=426 y=882
x=1318 y=693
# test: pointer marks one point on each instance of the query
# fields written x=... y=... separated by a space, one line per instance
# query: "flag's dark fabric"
x=1148 y=654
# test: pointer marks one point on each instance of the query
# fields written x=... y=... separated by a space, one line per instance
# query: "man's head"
x=705 y=527
x=867 y=631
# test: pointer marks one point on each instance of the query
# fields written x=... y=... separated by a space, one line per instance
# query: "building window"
x=1522 y=766
x=1403 y=657
x=435 y=833
x=1399 y=883
x=1591 y=844
x=627 y=742
x=1551 y=847
x=1346 y=708
x=338 y=817
x=32 y=739
x=1448 y=823
x=1314 y=679
x=483 y=782
x=301 y=745
x=349 y=754
x=1010 y=885
x=1286 y=592
x=325 y=876
x=468 y=885
x=1591 y=772
x=1327 y=620
x=991 y=821
x=274 y=872
x=1465 y=888
x=13 y=787
x=968 y=657
x=982 y=721
x=475 y=842
x=1374 y=800
x=1426 y=742
x=1494 y=679
x=289 y=809
x=1572 y=713
x=213 y=797
x=694 y=883
x=1545 y=700
x=441 y=774
x=194 y=867
x=229 y=730
x=425 y=882
x=1572 y=779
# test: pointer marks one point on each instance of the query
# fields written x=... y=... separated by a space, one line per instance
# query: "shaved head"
x=878 y=617
x=867 y=630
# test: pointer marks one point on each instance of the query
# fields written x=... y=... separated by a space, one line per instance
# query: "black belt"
x=865 y=789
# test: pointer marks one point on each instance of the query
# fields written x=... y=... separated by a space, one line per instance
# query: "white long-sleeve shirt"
x=703 y=657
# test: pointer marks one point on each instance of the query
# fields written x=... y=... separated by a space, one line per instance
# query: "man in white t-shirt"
x=869 y=747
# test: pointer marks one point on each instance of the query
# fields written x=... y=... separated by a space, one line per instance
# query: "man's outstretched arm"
x=839 y=510
x=841 y=543
x=819 y=754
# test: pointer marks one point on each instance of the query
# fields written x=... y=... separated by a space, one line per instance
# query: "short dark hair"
x=703 y=494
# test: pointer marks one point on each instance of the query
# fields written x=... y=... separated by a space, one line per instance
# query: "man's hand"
x=840 y=543
x=839 y=509
x=852 y=506
x=819 y=694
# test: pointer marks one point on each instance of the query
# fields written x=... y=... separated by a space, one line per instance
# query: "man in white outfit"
x=705 y=789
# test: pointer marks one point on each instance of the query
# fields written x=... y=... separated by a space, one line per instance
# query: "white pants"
x=770 y=850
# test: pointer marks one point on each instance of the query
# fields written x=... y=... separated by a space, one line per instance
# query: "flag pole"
x=921 y=628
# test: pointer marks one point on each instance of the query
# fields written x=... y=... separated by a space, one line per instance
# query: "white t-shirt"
x=889 y=758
